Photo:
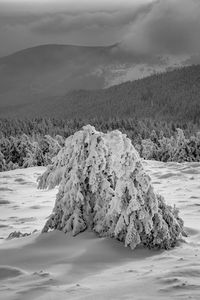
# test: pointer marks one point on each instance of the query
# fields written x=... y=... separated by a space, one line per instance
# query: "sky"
x=139 y=26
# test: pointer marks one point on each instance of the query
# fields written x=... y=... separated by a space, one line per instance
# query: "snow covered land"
x=56 y=266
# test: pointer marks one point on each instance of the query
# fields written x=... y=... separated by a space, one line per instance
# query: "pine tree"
x=2 y=162
x=103 y=187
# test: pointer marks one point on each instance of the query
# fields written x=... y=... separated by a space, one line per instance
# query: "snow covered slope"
x=23 y=207
x=56 y=266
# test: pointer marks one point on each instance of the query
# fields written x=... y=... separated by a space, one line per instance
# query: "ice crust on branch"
x=103 y=187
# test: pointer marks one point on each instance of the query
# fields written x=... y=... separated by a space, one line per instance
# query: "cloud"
x=71 y=21
x=93 y=24
x=171 y=26
x=144 y=28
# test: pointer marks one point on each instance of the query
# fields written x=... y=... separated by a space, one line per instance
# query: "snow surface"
x=23 y=207
x=59 y=266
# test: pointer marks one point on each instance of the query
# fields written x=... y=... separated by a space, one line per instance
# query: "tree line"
x=26 y=143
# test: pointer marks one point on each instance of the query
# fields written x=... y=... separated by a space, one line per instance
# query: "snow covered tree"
x=148 y=149
x=103 y=187
x=49 y=147
x=2 y=162
x=31 y=158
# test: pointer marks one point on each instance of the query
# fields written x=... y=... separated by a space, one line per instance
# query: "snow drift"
x=103 y=187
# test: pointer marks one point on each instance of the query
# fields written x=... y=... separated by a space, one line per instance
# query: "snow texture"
x=103 y=187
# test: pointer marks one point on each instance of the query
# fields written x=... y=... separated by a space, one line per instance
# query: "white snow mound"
x=103 y=187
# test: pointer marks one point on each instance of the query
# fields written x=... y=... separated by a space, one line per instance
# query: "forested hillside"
x=169 y=96
x=172 y=96
x=36 y=73
x=160 y=114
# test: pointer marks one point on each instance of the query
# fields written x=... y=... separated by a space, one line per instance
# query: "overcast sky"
x=140 y=26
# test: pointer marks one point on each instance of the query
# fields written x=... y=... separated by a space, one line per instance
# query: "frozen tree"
x=30 y=159
x=103 y=187
x=148 y=149
x=49 y=147
x=2 y=162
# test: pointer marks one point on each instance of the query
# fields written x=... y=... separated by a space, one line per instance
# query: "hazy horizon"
x=146 y=27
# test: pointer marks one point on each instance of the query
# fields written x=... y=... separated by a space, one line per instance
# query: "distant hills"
x=39 y=72
x=69 y=81
x=46 y=71
x=173 y=95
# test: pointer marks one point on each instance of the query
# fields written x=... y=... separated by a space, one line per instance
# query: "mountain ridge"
x=173 y=95
x=53 y=70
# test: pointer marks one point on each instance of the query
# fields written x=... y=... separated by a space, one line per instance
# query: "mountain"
x=46 y=71
x=173 y=95
x=41 y=71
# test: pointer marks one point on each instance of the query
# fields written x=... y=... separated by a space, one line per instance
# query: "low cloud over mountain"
x=116 y=42
x=170 y=26
x=141 y=27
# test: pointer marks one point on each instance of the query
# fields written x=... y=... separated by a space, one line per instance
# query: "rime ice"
x=103 y=187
